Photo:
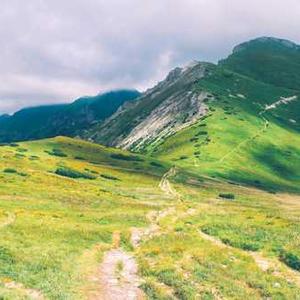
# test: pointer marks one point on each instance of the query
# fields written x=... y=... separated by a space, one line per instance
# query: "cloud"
x=54 y=51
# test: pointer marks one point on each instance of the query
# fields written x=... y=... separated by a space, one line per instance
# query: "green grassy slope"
x=55 y=219
x=269 y=60
x=64 y=119
x=237 y=141
x=54 y=229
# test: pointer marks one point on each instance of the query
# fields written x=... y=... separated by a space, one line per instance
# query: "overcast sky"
x=56 y=50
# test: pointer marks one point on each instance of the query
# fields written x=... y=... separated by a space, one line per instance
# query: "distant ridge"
x=62 y=119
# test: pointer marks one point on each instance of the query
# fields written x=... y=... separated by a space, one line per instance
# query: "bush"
x=156 y=164
x=109 y=177
x=67 y=172
x=13 y=145
x=290 y=259
x=202 y=133
x=126 y=157
x=10 y=170
x=34 y=157
x=56 y=152
x=183 y=157
x=194 y=139
x=23 y=174
x=21 y=150
x=227 y=196
x=14 y=171
x=79 y=158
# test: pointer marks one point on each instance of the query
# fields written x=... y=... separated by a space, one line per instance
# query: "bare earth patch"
x=30 y=293
x=117 y=276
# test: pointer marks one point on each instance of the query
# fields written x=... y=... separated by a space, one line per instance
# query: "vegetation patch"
x=109 y=177
x=228 y=196
x=121 y=156
x=71 y=173
x=14 y=171
x=10 y=170
x=156 y=164
x=290 y=259
x=56 y=152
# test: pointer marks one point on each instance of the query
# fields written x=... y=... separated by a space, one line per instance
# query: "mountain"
x=230 y=120
x=63 y=119
x=205 y=205
x=112 y=212
x=159 y=112
x=267 y=59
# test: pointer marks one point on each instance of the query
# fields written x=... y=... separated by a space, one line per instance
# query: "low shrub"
x=14 y=171
x=201 y=133
x=194 y=139
x=13 y=145
x=183 y=157
x=34 y=157
x=22 y=174
x=290 y=259
x=68 y=172
x=79 y=158
x=227 y=196
x=56 y=152
x=10 y=170
x=21 y=150
x=156 y=164
x=106 y=176
x=121 y=156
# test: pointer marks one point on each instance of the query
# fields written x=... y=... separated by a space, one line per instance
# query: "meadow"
x=63 y=200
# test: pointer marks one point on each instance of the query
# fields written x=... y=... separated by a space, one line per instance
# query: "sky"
x=55 y=51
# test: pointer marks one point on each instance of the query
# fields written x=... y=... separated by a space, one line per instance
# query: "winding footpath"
x=283 y=100
x=166 y=186
x=117 y=275
x=266 y=264
x=11 y=218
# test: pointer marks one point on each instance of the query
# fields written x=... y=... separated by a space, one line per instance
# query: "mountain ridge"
x=61 y=119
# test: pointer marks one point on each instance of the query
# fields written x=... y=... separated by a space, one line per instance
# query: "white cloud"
x=54 y=51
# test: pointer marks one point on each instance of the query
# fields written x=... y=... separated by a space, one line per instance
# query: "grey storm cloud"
x=56 y=50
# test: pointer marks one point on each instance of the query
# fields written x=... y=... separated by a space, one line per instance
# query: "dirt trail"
x=118 y=275
x=30 y=293
x=274 y=105
x=266 y=264
x=11 y=217
x=138 y=234
x=165 y=185
x=117 y=278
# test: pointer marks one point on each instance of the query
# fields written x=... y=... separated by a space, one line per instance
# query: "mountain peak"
x=267 y=41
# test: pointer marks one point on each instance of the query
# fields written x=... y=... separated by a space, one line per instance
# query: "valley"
x=166 y=219
x=189 y=190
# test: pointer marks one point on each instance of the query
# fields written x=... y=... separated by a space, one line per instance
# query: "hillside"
x=64 y=119
x=74 y=226
x=221 y=120
x=159 y=112
x=266 y=59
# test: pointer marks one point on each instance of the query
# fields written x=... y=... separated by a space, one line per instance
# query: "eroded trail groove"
x=165 y=184
x=118 y=277
x=11 y=217
x=266 y=264
x=27 y=292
